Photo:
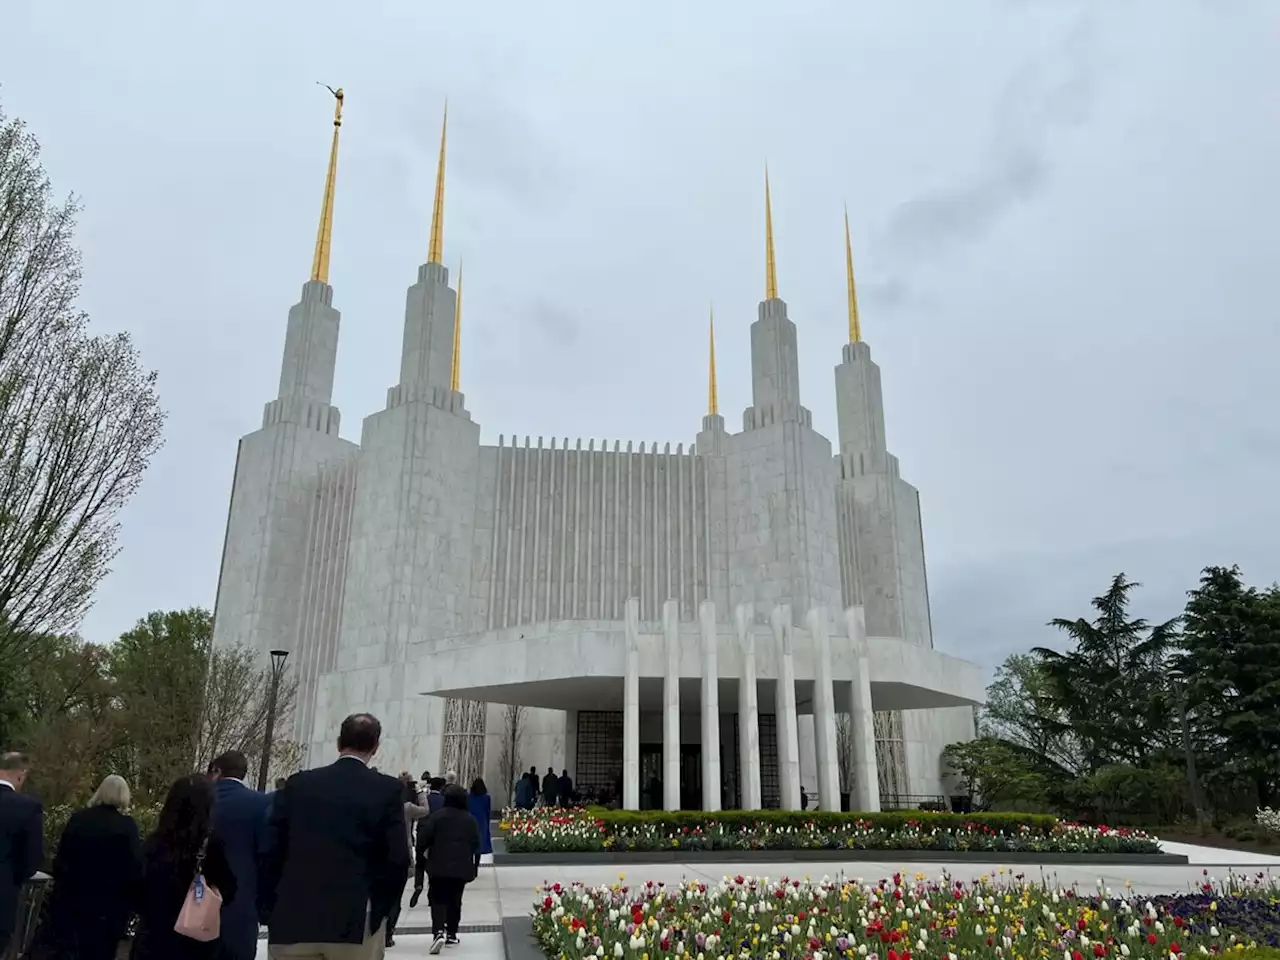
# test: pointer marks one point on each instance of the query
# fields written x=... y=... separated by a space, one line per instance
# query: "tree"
x=1022 y=709
x=233 y=710
x=509 y=763
x=1229 y=662
x=1113 y=689
x=160 y=669
x=79 y=417
x=994 y=772
x=69 y=718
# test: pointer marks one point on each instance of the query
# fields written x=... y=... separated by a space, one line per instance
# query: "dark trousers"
x=445 y=896
x=394 y=916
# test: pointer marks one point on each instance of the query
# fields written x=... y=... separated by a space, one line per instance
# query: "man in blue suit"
x=240 y=817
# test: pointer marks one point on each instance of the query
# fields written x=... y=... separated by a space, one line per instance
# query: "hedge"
x=888 y=820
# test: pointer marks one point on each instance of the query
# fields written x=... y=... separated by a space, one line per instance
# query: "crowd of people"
x=551 y=790
x=323 y=861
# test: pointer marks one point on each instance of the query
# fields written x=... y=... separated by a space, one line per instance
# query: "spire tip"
x=324 y=234
x=771 y=273
x=436 y=250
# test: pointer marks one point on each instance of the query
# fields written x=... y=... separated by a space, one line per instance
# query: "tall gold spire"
x=320 y=263
x=437 y=213
x=713 y=398
x=455 y=375
x=771 y=273
x=855 y=326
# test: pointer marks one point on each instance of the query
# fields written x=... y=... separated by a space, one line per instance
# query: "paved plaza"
x=507 y=891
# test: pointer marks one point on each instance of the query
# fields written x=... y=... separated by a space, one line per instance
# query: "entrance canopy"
x=581 y=664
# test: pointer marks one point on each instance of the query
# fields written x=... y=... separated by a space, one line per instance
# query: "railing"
x=917 y=801
x=29 y=903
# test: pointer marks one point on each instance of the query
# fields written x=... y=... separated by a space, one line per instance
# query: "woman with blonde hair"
x=95 y=877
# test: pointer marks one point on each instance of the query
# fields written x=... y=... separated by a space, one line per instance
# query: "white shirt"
x=6 y=783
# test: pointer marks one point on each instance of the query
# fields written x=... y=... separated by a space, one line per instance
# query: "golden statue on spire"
x=437 y=214
x=324 y=236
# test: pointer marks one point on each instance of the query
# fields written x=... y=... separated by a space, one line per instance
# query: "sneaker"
x=436 y=945
x=391 y=941
x=451 y=941
x=417 y=895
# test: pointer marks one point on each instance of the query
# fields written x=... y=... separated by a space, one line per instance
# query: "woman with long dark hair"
x=183 y=837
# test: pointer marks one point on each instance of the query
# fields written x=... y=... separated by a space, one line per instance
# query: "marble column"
x=788 y=716
x=748 y=711
x=571 y=743
x=631 y=709
x=671 y=711
x=711 y=785
x=824 y=713
x=862 y=762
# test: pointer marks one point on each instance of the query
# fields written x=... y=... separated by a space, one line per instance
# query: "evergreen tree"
x=1229 y=660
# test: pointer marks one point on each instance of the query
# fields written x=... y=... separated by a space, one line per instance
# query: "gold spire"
x=320 y=263
x=771 y=273
x=455 y=375
x=437 y=213
x=855 y=326
x=713 y=399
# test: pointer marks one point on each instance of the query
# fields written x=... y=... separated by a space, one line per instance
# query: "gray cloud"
x=1037 y=101
x=554 y=324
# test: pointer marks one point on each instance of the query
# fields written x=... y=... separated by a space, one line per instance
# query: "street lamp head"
x=278 y=656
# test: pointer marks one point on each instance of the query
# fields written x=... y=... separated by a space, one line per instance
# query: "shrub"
x=554 y=830
x=1269 y=819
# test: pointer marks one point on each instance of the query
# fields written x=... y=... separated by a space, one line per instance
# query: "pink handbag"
x=201 y=915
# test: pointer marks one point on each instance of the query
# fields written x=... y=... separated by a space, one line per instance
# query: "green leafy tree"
x=1023 y=709
x=996 y=773
x=1229 y=661
x=160 y=669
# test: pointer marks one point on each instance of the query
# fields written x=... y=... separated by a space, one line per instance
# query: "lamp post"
x=278 y=657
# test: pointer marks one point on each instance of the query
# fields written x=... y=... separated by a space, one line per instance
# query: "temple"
x=720 y=623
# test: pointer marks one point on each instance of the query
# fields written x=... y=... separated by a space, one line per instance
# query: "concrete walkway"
x=507 y=891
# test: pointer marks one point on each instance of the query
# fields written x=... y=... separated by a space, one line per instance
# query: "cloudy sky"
x=1064 y=219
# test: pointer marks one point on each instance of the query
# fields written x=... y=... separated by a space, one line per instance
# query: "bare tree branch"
x=79 y=417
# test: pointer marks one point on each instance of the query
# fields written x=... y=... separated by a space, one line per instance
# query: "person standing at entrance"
x=338 y=856
x=550 y=788
x=21 y=840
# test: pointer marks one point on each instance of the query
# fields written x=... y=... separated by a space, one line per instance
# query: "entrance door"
x=690 y=776
x=650 y=776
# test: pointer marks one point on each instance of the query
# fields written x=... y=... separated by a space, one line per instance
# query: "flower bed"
x=905 y=918
x=594 y=831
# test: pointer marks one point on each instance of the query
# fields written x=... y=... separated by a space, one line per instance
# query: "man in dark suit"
x=338 y=855
x=21 y=840
x=240 y=819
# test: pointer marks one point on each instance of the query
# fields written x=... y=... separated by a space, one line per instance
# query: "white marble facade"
x=367 y=562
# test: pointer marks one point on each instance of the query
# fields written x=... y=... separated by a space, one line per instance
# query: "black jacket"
x=337 y=854
x=165 y=882
x=21 y=852
x=96 y=875
x=448 y=842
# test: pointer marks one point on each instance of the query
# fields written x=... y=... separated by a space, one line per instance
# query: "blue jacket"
x=481 y=808
x=240 y=818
